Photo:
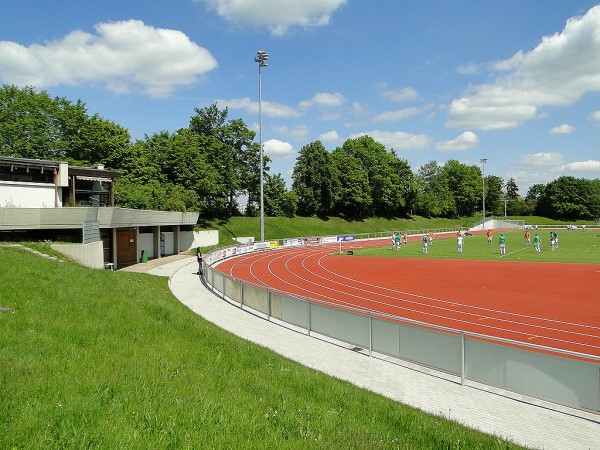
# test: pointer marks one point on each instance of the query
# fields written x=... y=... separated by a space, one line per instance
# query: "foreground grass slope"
x=100 y=359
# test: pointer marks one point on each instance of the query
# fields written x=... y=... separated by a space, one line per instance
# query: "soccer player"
x=397 y=241
x=394 y=240
x=459 y=243
x=502 y=242
x=527 y=238
x=425 y=243
x=404 y=239
x=430 y=237
x=537 y=243
x=489 y=237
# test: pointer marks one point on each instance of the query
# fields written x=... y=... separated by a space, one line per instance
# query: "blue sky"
x=513 y=81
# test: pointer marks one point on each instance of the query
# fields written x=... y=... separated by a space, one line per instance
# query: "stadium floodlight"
x=483 y=161
x=261 y=58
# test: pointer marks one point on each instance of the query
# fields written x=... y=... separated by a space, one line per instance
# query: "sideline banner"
x=311 y=240
x=345 y=238
x=294 y=242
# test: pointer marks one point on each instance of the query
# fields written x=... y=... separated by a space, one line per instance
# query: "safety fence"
x=558 y=376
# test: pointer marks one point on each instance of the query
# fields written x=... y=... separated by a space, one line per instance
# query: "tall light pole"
x=261 y=58
x=483 y=161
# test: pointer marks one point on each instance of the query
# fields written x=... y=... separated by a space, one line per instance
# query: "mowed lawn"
x=574 y=247
x=94 y=359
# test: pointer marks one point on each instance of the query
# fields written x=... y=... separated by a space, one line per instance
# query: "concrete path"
x=538 y=425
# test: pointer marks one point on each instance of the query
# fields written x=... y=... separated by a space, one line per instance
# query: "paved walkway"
x=531 y=425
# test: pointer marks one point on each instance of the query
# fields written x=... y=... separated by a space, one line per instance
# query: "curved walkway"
x=531 y=425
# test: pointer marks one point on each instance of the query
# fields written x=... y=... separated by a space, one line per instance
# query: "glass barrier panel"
x=385 y=336
x=256 y=298
x=218 y=281
x=233 y=289
x=431 y=348
x=208 y=274
x=294 y=311
x=343 y=325
x=550 y=377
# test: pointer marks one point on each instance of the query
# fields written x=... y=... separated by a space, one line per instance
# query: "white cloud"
x=330 y=136
x=542 y=168
x=297 y=132
x=595 y=117
x=563 y=129
x=326 y=99
x=398 y=140
x=541 y=159
x=390 y=116
x=559 y=71
x=467 y=69
x=123 y=56
x=466 y=140
x=269 y=109
x=589 y=167
x=278 y=149
x=277 y=15
x=397 y=95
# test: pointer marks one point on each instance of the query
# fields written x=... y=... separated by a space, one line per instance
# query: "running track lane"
x=554 y=305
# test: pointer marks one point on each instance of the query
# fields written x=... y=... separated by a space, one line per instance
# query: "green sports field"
x=574 y=247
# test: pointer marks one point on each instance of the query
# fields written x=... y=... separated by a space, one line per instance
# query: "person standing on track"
x=489 y=237
x=502 y=242
x=425 y=243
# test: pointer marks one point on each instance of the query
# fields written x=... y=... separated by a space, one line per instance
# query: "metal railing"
x=559 y=376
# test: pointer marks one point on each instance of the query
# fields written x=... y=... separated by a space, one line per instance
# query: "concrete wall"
x=204 y=238
x=89 y=255
x=16 y=194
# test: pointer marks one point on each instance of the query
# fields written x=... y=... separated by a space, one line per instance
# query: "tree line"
x=211 y=164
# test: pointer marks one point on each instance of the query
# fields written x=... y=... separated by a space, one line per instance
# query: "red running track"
x=549 y=304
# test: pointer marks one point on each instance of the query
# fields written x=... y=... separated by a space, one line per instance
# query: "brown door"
x=126 y=247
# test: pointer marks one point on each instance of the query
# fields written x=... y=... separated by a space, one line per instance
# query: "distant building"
x=50 y=200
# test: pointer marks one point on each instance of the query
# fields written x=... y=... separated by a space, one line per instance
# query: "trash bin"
x=144 y=257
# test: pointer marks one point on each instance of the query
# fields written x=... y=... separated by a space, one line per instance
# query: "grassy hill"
x=284 y=227
x=100 y=359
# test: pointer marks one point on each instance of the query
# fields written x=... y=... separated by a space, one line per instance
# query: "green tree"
x=464 y=182
x=567 y=198
x=512 y=190
x=229 y=149
x=315 y=181
x=355 y=198
x=274 y=195
x=101 y=139
x=433 y=195
x=386 y=174
x=494 y=195
x=29 y=124
x=289 y=204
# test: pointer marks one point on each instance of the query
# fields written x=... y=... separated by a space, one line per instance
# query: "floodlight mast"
x=483 y=161
x=261 y=58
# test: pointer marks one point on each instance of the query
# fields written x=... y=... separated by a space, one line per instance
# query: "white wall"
x=205 y=238
x=89 y=255
x=145 y=242
x=16 y=194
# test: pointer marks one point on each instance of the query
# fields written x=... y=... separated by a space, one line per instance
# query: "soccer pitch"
x=575 y=246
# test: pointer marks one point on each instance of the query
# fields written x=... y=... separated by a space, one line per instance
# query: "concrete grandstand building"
x=51 y=200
